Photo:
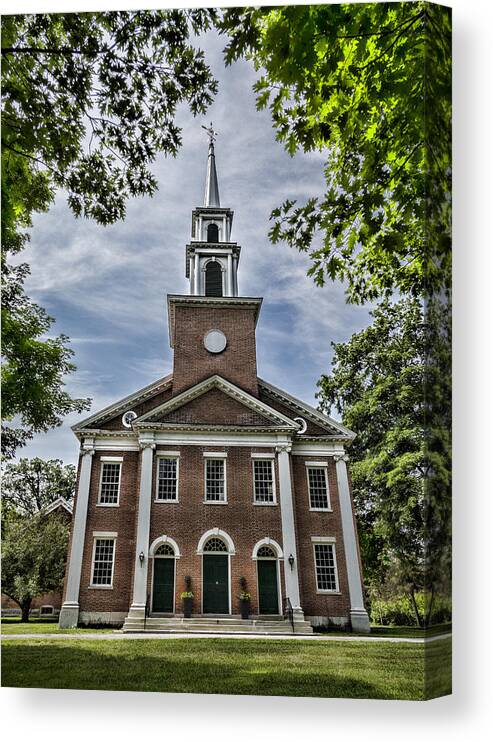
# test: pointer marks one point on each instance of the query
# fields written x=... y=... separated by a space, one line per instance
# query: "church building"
x=213 y=481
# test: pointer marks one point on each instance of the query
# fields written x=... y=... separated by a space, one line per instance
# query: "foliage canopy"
x=354 y=81
x=391 y=383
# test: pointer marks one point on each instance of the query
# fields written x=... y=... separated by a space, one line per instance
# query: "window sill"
x=321 y=510
x=265 y=504
x=329 y=592
x=160 y=500
x=215 y=502
x=107 y=504
x=100 y=587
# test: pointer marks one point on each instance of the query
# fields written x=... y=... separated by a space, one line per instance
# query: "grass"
x=402 y=632
x=257 y=667
x=41 y=626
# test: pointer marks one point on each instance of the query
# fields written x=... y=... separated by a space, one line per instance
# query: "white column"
x=137 y=609
x=288 y=530
x=229 y=276
x=235 y=275
x=359 y=617
x=196 y=275
x=69 y=613
x=192 y=273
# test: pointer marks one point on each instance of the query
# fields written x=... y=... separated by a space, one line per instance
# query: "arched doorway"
x=216 y=548
x=269 y=598
x=163 y=578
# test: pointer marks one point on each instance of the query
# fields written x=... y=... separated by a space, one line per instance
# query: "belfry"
x=211 y=481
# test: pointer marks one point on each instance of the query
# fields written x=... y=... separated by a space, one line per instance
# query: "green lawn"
x=39 y=626
x=255 y=667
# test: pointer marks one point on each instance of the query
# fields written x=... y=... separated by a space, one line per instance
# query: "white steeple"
x=211 y=195
x=212 y=259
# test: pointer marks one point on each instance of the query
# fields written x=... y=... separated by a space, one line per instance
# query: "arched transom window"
x=266 y=552
x=165 y=550
x=215 y=544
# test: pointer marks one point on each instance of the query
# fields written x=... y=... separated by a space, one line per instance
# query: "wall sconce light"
x=141 y=558
x=291 y=561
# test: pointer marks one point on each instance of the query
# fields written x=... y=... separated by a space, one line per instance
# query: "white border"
x=272 y=460
x=324 y=541
x=216 y=457
x=176 y=457
x=109 y=460
x=97 y=536
x=317 y=465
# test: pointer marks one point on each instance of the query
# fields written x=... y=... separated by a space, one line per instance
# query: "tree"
x=355 y=81
x=29 y=486
x=33 y=557
x=88 y=101
x=391 y=383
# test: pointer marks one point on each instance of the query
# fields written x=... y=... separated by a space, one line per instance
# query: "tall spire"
x=211 y=195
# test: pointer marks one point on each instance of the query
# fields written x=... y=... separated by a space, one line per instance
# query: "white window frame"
x=212 y=456
x=325 y=541
x=175 y=455
x=108 y=536
x=110 y=460
x=271 y=458
x=318 y=465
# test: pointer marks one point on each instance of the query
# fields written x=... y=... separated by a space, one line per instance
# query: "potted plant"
x=187 y=598
x=245 y=599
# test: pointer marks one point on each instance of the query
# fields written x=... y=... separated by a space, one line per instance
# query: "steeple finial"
x=211 y=196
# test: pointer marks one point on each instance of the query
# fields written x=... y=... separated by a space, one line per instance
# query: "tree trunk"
x=25 y=608
x=415 y=606
x=430 y=606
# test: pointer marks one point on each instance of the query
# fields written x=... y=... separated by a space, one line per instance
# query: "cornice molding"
x=341 y=432
x=231 y=390
x=113 y=410
x=194 y=300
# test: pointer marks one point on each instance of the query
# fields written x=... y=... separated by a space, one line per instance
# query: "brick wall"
x=121 y=519
x=216 y=408
x=193 y=363
x=312 y=523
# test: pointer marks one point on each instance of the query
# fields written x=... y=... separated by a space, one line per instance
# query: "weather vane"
x=210 y=131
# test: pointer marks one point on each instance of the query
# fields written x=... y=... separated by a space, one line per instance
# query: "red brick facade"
x=192 y=362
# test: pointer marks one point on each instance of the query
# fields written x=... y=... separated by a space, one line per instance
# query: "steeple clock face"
x=215 y=341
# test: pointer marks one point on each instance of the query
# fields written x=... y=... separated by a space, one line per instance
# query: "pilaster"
x=141 y=561
x=359 y=616
x=288 y=530
x=69 y=613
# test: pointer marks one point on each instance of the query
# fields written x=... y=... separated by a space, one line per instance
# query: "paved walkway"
x=196 y=635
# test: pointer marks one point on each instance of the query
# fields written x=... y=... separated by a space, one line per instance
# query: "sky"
x=106 y=286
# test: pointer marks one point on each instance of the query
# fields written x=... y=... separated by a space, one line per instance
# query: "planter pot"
x=245 y=608
x=187 y=607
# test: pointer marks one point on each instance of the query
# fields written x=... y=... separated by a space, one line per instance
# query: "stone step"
x=229 y=626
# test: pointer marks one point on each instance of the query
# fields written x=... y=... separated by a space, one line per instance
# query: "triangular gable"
x=215 y=407
x=318 y=423
x=139 y=401
x=62 y=503
x=200 y=404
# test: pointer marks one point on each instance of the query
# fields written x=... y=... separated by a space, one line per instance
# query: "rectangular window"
x=263 y=480
x=167 y=479
x=325 y=568
x=103 y=562
x=317 y=487
x=215 y=480
x=110 y=484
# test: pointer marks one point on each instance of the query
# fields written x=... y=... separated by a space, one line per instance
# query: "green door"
x=163 y=586
x=268 y=599
x=215 y=583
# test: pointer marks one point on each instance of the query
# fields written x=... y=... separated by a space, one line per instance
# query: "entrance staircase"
x=261 y=625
